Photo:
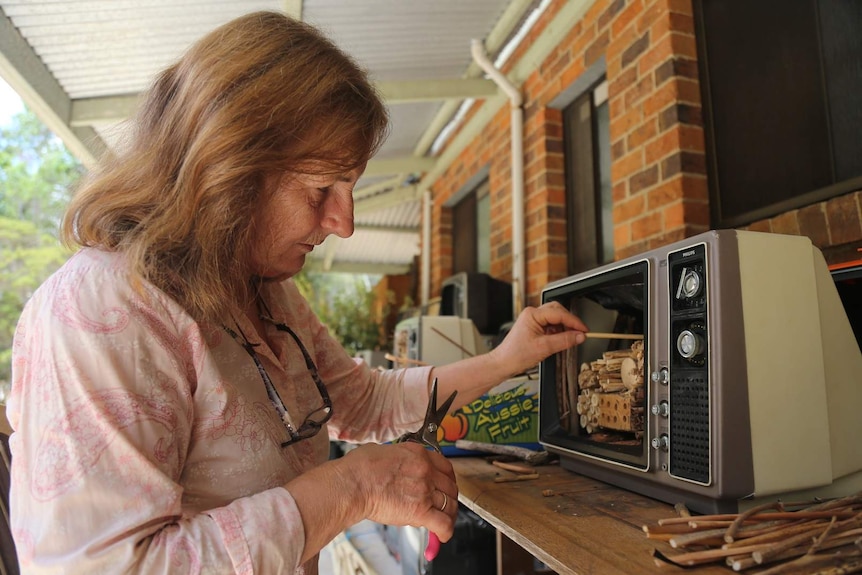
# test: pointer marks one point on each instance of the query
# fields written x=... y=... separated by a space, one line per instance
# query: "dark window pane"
x=580 y=184
x=841 y=31
x=767 y=110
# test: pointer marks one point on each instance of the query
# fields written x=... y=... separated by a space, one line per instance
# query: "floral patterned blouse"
x=145 y=441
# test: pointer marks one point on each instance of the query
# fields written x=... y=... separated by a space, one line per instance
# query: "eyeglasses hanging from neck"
x=315 y=420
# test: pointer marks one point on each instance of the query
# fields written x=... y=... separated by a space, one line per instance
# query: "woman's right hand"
x=404 y=484
x=397 y=484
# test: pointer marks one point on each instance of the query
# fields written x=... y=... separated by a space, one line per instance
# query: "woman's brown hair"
x=261 y=94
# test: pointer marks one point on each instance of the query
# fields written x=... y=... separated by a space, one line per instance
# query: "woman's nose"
x=338 y=215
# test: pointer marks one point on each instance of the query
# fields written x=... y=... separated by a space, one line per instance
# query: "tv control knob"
x=662 y=409
x=660 y=442
x=661 y=376
x=691 y=284
x=689 y=344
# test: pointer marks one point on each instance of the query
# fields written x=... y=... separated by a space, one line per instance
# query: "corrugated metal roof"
x=85 y=60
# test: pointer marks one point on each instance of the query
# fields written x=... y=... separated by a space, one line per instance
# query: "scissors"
x=427 y=437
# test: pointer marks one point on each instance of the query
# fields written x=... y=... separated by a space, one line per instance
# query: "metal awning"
x=80 y=64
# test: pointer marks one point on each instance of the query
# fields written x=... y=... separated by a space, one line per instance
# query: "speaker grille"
x=689 y=428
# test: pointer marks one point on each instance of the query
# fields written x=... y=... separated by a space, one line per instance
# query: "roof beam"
x=377 y=187
x=316 y=265
x=402 y=165
x=24 y=71
x=433 y=90
x=387 y=229
x=106 y=109
x=293 y=8
x=382 y=201
x=89 y=111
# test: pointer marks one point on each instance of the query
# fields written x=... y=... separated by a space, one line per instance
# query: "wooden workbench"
x=585 y=528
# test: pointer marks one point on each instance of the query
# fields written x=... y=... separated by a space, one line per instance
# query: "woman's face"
x=301 y=211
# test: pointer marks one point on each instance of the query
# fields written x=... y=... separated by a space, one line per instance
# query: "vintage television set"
x=479 y=297
x=728 y=375
x=435 y=340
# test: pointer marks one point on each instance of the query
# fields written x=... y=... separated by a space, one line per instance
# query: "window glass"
x=589 y=205
x=483 y=229
x=603 y=179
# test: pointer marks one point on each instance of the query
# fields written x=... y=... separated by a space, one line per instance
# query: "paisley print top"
x=144 y=441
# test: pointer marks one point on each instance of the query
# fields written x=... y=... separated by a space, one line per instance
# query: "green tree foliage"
x=344 y=303
x=37 y=174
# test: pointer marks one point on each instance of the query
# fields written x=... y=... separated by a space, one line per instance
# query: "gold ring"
x=445 y=502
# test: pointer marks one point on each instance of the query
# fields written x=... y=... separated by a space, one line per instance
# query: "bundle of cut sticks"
x=822 y=537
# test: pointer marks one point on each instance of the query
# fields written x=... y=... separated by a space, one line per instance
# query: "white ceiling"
x=79 y=64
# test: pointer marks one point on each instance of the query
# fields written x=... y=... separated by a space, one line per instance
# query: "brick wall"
x=658 y=169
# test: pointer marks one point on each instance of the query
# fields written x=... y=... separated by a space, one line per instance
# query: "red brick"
x=638 y=136
x=634 y=50
x=639 y=91
x=660 y=51
x=596 y=49
x=674 y=67
x=680 y=6
x=629 y=209
x=665 y=193
x=812 y=223
x=786 y=223
x=663 y=97
x=626 y=17
x=664 y=145
x=842 y=214
x=674 y=215
x=618 y=149
x=619 y=191
x=620 y=44
x=688 y=90
x=626 y=166
x=679 y=113
x=622 y=82
x=650 y=15
x=647 y=225
x=622 y=235
x=683 y=45
x=761 y=226
x=625 y=123
x=682 y=23
x=643 y=179
x=573 y=72
x=579 y=46
x=608 y=15
x=683 y=162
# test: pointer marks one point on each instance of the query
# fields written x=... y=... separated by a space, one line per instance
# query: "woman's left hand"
x=538 y=333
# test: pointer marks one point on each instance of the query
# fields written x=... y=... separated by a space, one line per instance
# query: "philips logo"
x=688 y=253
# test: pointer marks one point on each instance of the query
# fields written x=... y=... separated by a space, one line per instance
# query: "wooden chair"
x=8 y=556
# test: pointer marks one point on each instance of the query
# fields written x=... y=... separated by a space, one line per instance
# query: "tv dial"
x=689 y=344
x=690 y=284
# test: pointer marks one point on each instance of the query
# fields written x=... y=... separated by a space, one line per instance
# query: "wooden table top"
x=585 y=528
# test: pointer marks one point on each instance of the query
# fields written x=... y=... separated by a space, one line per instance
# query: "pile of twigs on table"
x=772 y=539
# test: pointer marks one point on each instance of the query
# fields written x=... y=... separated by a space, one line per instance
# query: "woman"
x=170 y=382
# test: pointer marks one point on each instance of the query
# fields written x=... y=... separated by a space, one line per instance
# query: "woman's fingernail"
x=580 y=337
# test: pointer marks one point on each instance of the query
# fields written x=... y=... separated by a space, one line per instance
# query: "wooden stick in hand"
x=606 y=335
